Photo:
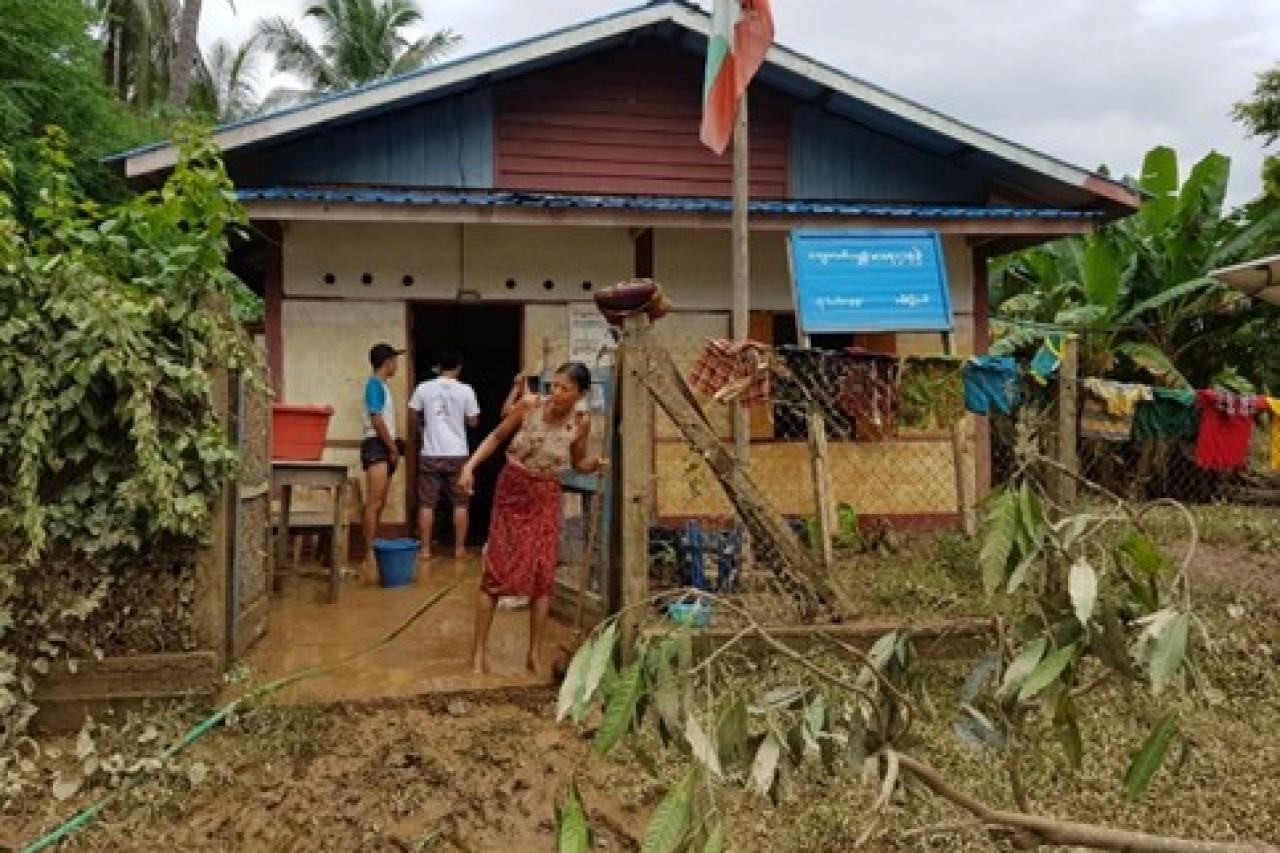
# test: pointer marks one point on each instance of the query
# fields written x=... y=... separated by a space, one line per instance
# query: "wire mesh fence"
x=887 y=438
x=895 y=443
x=896 y=431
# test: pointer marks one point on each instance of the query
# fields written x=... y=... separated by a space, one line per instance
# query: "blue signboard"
x=870 y=281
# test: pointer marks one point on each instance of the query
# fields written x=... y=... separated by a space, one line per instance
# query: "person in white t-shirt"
x=445 y=410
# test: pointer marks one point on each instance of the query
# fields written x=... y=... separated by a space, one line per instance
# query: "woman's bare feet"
x=369 y=572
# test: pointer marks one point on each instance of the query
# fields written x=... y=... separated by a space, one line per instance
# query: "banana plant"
x=1140 y=289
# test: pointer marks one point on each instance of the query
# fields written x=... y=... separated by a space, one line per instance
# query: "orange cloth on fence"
x=1274 y=405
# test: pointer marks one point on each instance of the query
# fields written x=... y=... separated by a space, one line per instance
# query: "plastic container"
x=695 y=613
x=299 y=432
x=397 y=561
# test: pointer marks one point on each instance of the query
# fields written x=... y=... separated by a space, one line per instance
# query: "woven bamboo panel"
x=876 y=478
x=684 y=335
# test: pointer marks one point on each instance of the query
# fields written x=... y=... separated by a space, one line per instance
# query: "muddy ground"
x=483 y=774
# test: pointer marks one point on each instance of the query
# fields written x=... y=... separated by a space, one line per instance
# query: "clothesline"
x=877 y=392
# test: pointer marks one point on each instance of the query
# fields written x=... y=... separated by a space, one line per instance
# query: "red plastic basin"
x=299 y=432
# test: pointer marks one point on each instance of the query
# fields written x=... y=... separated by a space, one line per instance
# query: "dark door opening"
x=489 y=338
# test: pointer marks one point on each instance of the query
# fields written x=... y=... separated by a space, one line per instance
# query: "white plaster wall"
x=326 y=362
x=693 y=264
x=429 y=253
x=444 y=258
x=693 y=267
x=531 y=255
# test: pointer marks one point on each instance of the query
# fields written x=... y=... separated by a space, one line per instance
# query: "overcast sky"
x=1089 y=81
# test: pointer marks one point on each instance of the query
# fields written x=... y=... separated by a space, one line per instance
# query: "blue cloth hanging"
x=991 y=382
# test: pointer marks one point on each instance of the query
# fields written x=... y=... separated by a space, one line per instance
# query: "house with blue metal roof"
x=479 y=203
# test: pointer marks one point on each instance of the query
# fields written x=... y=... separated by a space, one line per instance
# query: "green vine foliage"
x=112 y=325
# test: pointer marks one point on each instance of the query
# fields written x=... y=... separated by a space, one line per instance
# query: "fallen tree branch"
x=1065 y=832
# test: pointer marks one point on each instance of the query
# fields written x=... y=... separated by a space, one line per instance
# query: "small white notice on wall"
x=590 y=340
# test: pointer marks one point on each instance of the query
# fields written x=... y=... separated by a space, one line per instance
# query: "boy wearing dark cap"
x=379 y=453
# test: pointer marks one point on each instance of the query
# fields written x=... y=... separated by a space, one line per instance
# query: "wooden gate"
x=249 y=525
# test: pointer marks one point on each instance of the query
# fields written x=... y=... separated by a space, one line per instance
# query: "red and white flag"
x=741 y=32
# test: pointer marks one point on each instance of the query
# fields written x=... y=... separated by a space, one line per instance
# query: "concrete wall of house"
x=328 y=328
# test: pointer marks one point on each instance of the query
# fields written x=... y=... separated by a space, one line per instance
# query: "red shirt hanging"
x=1226 y=425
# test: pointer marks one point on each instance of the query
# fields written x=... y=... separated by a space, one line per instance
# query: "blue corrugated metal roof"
x=661 y=204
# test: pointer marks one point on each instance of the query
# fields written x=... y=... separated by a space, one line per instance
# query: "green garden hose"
x=85 y=816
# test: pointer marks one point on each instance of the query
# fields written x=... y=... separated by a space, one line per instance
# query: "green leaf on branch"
x=765 y=767
x=573 y=835
x=1031 y=518
x=715 y=839
x=1066 y=724
x=571 y=688
x=669 y=827
x=1150 y=757
x=621 y=710
x=1022 y=666
x=1019 y=575
x=976 y=730
x=1170 y=651
x=1046 y=672
x=731 y=735
x=999 y=534
x=601 y=657
x=701 y=746
x=1144 y=553
x=1155 y=362
x=666 y=698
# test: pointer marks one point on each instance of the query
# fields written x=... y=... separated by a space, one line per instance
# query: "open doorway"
x=489 y=338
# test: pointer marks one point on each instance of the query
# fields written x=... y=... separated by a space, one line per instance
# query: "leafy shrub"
x=113 y=323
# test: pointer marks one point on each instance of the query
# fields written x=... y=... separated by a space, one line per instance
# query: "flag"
x=741 y=32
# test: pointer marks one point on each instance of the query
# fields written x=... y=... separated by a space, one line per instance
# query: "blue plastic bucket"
x=397 y=561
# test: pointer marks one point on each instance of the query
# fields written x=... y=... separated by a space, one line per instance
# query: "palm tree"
x=182 y=62
x=226 y=84
x=363 y=41
x=138 y=41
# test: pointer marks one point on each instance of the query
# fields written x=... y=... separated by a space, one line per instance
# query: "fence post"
x=212 y=561
x=824 y=506
x=1068 y=454
x=959 y=459
x=635 y=495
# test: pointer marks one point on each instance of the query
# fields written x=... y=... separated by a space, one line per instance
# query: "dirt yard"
x=454 y=773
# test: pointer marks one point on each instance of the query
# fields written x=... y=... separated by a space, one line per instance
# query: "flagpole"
x=741 y=277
